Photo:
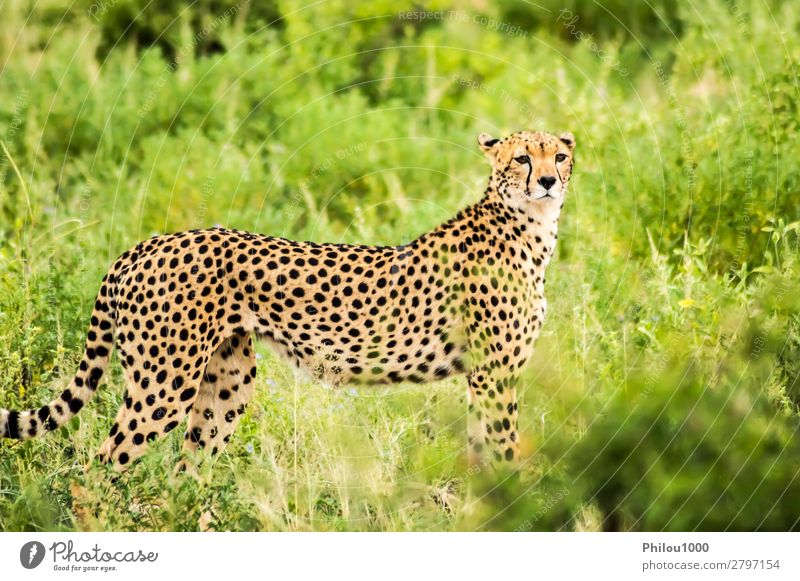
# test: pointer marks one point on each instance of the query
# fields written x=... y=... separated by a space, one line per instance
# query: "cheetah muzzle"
x=466 y=298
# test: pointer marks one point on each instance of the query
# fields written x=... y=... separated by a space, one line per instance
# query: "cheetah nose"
x=547 y=181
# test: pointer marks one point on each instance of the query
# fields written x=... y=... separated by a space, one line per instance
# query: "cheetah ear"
x=488 y=145
x=568 y=139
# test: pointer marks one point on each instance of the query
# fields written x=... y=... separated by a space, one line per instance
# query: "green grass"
x=664 y=390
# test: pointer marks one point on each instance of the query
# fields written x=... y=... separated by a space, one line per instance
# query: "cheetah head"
x=529 y=167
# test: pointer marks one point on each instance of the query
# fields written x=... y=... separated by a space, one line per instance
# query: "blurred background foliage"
x=664 y=393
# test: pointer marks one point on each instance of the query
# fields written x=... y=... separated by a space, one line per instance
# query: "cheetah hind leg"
x=153 y=406
x=225 y=391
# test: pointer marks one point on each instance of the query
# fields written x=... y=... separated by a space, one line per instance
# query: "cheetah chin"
x=466 y=298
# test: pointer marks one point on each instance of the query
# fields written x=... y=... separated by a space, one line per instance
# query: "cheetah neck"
x=533 y=225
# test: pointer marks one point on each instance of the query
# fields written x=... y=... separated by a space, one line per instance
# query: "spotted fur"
x=465 y=298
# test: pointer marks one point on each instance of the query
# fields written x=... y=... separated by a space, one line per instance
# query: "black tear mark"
x=528 y=179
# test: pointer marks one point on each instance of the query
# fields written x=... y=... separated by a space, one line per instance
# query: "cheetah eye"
x=522 y=159
x=561 y=157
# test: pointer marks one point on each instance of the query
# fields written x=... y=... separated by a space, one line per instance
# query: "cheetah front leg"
x=225 y=391
x=492 y=421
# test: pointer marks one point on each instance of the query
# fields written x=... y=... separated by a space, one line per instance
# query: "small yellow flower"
x=686 y=303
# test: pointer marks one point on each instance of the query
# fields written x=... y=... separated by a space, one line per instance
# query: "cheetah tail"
x=22 y=425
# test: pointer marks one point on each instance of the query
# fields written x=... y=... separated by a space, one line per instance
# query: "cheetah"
x=466 y=298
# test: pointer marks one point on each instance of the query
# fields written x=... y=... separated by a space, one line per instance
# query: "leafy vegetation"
x=665 y=389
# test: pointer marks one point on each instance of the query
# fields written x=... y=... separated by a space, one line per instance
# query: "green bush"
x=688 y=455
